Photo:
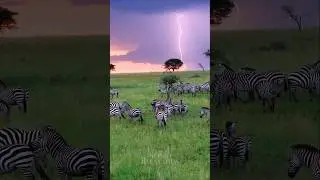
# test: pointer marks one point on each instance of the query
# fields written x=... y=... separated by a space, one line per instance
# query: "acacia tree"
x=7 y=20
x=173 y=64
x=294 y=16
x=220 y=9
x=112 y=67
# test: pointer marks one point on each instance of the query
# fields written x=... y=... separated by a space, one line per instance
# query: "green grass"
x=291 y=123
x=144 y=152
x=66 y=79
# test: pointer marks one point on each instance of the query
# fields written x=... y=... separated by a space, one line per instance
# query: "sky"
x=265 y=14
x=145 y=33
x=59 y=17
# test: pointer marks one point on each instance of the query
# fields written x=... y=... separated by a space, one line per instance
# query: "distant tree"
x=112 y=67
x=220 y=9
x=172 y=64
x=201 y=66
x=208 y=54
x=7 y=20
x=294 y=16
x=168 y=80
x=216 y=55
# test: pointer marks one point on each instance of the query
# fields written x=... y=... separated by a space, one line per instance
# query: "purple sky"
x=262 y=14
x=150 y=31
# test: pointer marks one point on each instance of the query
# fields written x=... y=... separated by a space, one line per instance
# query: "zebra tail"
x=24 y=102
x=286 y=85
x=101 y=168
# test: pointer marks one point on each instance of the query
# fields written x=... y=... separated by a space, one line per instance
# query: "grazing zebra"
x=115 y=110
x=268 y=92
x=304 y=155
x=236 y=146
x=161 y=116
x=20 y=157
x=5 y=110
x=16 y=97
x=302 y=79
x=114 y=92
x=204 y=111
x=10 y=136
x=133 y=113
x=70 y=161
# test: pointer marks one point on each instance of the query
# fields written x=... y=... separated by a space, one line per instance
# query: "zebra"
x=268 y=92
x=16 y=97
x=115 y=110
x=10 y=136
x=5 y=111
x=216 y=142
x=161 y=116
x=20 y=157
x=222 y=93
x=70 y=161
x=204 y=111
x=114 y=92
x=205 y=87
x=237 y=146
x=304 y=155
x=301 y=79
x=132 y=112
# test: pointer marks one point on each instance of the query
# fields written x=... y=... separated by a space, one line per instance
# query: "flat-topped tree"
x=172 y=64
x=7 y=19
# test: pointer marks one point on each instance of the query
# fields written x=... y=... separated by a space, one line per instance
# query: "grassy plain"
x=66 y=77
x=145 y=152
x=291 y=123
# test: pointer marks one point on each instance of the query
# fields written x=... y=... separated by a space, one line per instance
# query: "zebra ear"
x=48 y=127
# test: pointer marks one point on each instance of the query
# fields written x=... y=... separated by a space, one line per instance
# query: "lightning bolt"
x=179 y=16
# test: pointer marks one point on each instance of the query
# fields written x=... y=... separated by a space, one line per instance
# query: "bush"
x=169 y=79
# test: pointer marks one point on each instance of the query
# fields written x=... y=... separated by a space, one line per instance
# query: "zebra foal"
x=70 y=161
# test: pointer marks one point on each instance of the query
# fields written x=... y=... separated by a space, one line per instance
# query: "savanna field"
x=145 y=151
x=66 y=77
x=291 y=122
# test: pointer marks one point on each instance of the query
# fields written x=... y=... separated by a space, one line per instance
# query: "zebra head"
x=294 y=164
x=230 y=128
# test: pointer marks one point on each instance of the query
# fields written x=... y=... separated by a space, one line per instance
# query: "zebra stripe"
x=161 y=116
x=302 y=79
x=11 y=136
x=115 y=110
x=239 y=146
x=20 y=157
x=216 y=146
x=132 y=112
x=268 y=92
x=304 y=155
x=70 y=161
x=16 y=97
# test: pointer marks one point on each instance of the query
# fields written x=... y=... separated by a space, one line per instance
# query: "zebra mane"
x=248 y=68
x=305 y=146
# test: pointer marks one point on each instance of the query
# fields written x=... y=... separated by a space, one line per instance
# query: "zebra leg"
x=141 y=119
x=272 y=104
x=27 y=172
x=264 y=104
x=229 y=103
x=41 y=172
x=311 y=95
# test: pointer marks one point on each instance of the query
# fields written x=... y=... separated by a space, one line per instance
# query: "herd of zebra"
x=267 y=86
x=28 y=150
x=163 y=109
x=227 y=144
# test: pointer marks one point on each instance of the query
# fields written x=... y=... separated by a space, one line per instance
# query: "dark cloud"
x=156 y=6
